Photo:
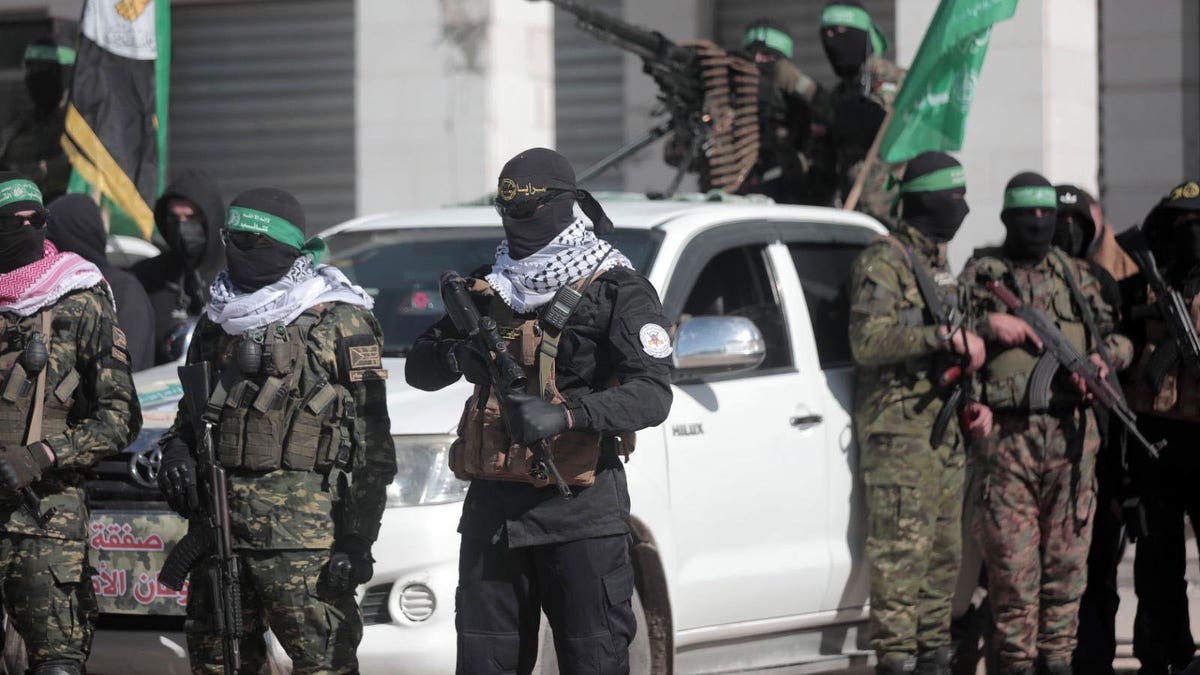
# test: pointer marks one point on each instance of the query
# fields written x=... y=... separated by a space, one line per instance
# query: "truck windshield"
x=400 y=268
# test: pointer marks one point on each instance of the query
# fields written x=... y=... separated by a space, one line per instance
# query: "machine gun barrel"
x=647 y=44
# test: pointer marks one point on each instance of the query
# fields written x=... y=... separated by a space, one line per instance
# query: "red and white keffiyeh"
x=27 y=289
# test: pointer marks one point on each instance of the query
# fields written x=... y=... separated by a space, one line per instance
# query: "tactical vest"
x=277 y=410
x=483 y=449
x=1008 y=378
x=1179 y=396
x=19 y=385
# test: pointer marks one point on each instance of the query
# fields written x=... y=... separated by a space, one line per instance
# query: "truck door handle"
x=806 y=420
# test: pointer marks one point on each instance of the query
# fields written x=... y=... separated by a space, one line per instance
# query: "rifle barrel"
x=645 y=43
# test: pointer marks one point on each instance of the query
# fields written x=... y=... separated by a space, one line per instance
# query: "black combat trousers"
x=1097 y=634
x=585 y=587
x=1162 y=636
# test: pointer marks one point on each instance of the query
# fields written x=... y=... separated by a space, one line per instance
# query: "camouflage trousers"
x=48 y=595
x=1034 y=524
x=914 y=541
x=287 y=592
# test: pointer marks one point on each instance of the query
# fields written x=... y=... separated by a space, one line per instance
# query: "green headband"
x=63 y=56
x=243 y=219
x=1032 y=197
x=854 y=17
x=19 y=190
x=949 y=178
x=771 y=37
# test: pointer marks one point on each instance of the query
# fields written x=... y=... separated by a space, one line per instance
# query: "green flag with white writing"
x=930 y=111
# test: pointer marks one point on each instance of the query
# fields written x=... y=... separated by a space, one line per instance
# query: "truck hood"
x=415 y=412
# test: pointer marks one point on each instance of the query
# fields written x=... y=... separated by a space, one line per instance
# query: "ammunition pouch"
x=483 y=449
x=1168 y=392
x=287 y=416
x=18 y=387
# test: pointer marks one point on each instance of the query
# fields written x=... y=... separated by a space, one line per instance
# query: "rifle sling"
x=925 y=284
x=34 y=434
x=548 y=345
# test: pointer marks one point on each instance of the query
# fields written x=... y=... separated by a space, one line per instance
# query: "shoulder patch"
x=655 y=340
x=365 y=356
x=368 y=374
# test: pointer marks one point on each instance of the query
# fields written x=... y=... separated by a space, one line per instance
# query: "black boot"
x=896 y=665
x=934 y=661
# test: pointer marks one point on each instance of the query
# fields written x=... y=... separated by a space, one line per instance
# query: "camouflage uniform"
x=1038 y=467
x=877 y=195
x=286 y=521
x=90 y=412
x=913 y=490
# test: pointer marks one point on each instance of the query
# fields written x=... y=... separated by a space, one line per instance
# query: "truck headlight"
x=423 y=473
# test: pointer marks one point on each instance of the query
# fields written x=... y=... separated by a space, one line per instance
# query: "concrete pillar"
x=445 y=93
x=1149 y=102
x=1035 y=105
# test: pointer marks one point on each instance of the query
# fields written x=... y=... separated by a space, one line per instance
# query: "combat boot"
x=57 y=668
x=896 y=664
x=934 y=662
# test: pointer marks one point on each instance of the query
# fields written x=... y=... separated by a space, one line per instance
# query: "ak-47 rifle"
x=507 y=376
x=1058 y=352
x=1169 y=306
x=709 y=95
x=210 y=537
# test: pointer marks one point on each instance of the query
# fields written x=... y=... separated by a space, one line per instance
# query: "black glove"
x=531 y=419
x=466 y=357
x=22 y=466
x=177 y=478
x=348 y=570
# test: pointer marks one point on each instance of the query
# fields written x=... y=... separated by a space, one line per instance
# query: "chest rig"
x=25 y=347
x=274 y=408
x=1175 y=393
x=1015 y=377
x=483 y=449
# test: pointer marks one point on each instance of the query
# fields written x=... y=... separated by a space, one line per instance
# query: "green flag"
x=930 y=112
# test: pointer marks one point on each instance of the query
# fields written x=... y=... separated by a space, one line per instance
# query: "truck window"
x=824 y=271
x=737 y=282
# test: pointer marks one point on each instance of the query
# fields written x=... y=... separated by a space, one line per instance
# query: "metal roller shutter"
x=589 y=95
x=262 y=94
x=802 y=17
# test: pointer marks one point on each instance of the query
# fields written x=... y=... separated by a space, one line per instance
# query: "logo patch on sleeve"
x=655 y=340
x=118 y=337
x=365 y=357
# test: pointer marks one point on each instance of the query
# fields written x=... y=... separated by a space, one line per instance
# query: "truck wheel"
x=639 y=650
x=16 y=662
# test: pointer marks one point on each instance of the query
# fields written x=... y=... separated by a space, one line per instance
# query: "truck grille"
x=375 y=605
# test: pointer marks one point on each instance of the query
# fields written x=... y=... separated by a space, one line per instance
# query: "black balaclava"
x=75 y=225
x=1029 y=235
x=847 y=50
x=22 y=246
x=255 y=268
x=1173 y=230
x=44 y=77
x=542 y=175
x=1074 y=229
x=188 y=239
x=932 y=195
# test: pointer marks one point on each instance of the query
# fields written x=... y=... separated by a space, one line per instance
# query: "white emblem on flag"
x=124 y=28
x=655 y=340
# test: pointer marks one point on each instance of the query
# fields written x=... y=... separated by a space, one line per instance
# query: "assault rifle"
x=1171 y=308
x=709 y=96
x=507 y=375
x=1058 y=352
x=209 y=539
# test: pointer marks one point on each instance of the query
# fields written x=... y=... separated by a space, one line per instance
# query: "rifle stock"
x=1056 y=345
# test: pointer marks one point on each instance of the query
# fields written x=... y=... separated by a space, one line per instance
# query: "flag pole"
x=869 y=163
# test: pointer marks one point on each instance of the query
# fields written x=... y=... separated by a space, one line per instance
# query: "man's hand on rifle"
x=177 y=478
x=350 y=566
x=467 y=358
x=1101 y=373
x=1012 y=331
x=977 y=420
x=22 y=466
x=531 y=419
x=965 y=342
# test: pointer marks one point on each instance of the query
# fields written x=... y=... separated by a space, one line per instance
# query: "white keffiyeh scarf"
x=531 y=282
x=305 y=285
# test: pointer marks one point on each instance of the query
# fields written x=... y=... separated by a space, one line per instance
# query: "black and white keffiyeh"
x=531 y=282
x=305 y=285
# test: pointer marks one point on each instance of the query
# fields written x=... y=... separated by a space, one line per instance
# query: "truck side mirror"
x=718 y=344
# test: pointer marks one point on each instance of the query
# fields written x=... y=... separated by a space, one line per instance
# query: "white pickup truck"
x=747 y=510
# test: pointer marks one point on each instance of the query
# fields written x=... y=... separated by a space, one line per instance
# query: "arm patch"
x=360 y=358
x=114 y=346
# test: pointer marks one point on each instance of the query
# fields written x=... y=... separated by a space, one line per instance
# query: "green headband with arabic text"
x=19 y=190
x=282 y=230
x=949 y=178
x=855 y=17
x=771 y=37
x=1031 y=197
x=63 y=56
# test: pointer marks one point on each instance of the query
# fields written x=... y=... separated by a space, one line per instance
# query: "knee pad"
x=57 y=668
